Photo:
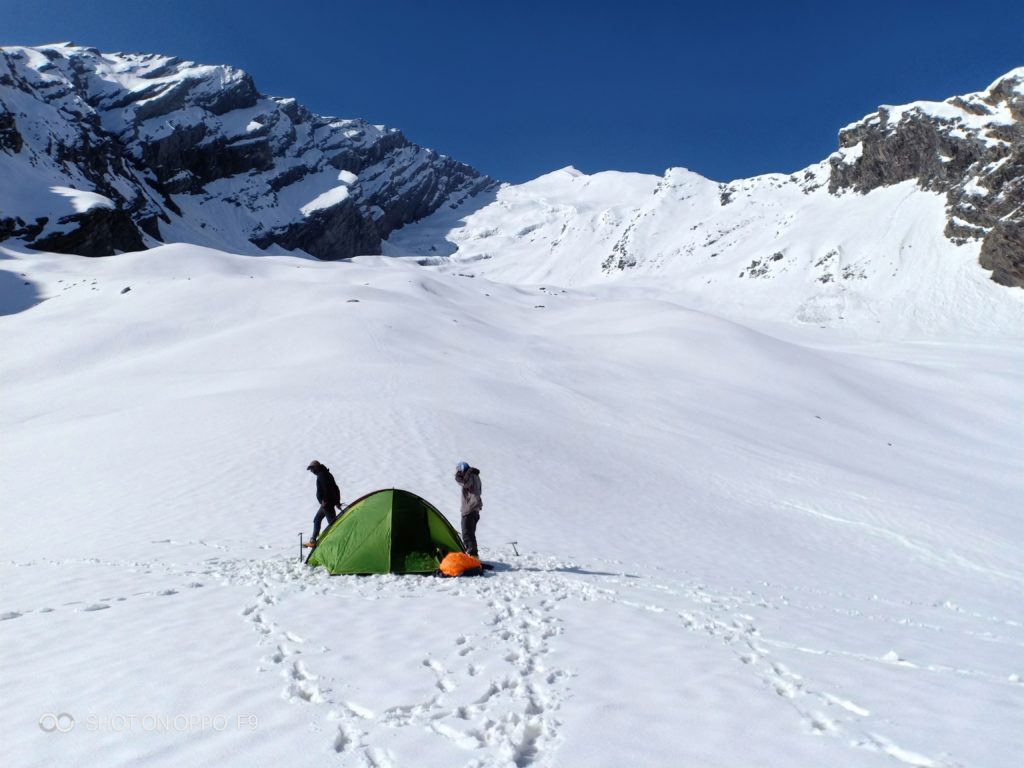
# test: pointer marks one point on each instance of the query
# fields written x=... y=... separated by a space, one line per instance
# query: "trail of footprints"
x=231 y=570
x=105 y=601
x=821 y=712
x=515 y=715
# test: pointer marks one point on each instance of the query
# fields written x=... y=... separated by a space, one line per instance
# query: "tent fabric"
x=387 y=531
x=460 y=564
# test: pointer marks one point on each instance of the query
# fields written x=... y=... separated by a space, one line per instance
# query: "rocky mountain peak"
x=971 y=148
x=193 y=152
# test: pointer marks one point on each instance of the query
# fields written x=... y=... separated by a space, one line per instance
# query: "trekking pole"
x=513 y=543
x=300 y=546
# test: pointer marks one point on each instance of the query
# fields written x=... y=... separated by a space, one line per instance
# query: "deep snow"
x=742 y=542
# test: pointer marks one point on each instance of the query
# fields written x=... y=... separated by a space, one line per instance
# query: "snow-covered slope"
x=193 y=153
x=735 y=548
x=781 y=249
x=875 y=237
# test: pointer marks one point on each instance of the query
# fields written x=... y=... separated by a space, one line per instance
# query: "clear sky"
x=727 y=89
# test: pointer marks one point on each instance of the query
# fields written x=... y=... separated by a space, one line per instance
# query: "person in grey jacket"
x=469 y=479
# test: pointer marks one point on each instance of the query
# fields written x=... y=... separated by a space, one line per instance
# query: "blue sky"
x=518 y=89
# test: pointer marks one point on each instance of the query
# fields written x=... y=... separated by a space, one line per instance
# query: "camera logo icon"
x=50 y=722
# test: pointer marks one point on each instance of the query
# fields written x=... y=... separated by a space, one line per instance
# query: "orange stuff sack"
x=460 y=564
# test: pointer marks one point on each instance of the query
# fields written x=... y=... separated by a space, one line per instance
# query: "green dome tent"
x=388 y=531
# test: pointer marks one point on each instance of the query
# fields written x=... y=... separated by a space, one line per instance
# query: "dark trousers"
x=321 y=514
x=469 y=532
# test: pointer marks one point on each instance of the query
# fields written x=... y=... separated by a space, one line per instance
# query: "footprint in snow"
x=279 y=655
x=444 y=683
x=849 y=706
x=301 y=685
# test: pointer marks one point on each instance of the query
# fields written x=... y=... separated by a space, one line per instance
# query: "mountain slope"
x=895 y=231
x=728 y=542
x=112 y=152
x=184 y=152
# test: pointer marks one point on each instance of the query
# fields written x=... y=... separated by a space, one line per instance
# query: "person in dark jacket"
x=327 y=494
x=469 y=479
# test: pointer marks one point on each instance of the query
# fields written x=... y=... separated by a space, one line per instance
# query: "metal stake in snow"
x=513 y=543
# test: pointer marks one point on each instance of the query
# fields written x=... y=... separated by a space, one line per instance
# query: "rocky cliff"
x=970 y=148
x=170 y=150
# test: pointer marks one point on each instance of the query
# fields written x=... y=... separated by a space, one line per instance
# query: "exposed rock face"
x=1002 y=251
x=10 y=139
x=195 y=153
x=339 y=229
x=98 y=232
x=969 y=147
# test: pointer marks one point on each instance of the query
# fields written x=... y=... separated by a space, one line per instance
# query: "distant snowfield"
x=741 y=542
x=770 y=249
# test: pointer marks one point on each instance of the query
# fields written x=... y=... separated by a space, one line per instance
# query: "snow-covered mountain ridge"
x=185 y=152
x=903 y=228
x=895 y=231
